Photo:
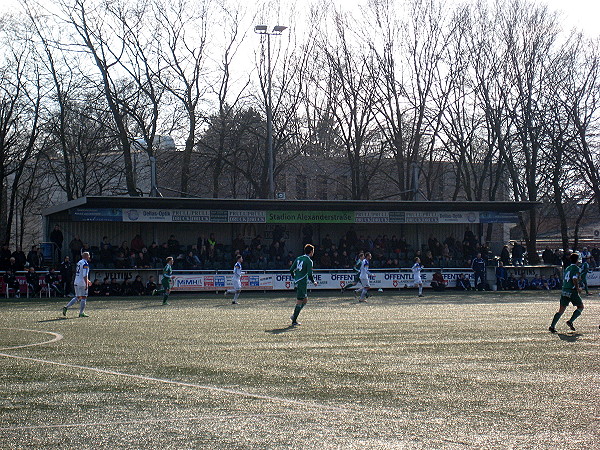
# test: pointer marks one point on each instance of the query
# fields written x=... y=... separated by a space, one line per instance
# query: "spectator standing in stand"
x=75 y=246
x=517 y=254
x=137 y=244
x=505 y=256
x=20 y=258
x=4 y=257
x=547 y=256
x=57 y=238
x=33 y=257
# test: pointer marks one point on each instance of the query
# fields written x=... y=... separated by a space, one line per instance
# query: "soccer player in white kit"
x=237 y=280
x=416 y=270
x=81 y=284
x=364 y=277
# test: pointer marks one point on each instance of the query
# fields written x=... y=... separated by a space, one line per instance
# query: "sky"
x=583 y=14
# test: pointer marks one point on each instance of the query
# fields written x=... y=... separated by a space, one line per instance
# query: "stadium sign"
x=252 y=216
x=220 y=282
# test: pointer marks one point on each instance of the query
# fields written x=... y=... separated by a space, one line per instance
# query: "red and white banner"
x=214 y=282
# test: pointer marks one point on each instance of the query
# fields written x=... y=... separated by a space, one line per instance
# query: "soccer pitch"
x=451 y=370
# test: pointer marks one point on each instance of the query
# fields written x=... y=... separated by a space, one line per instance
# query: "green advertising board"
x=310 y=216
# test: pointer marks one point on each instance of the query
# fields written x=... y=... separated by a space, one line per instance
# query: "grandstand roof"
x=295 y=205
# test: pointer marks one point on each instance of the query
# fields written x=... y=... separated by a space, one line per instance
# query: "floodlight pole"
x=277 y=30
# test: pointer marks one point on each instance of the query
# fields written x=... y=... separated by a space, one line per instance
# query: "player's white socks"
x=82 y=305
x=420 y=289
x=236 y=295
x=72 y=302
x=363 y=293
x=231 y=291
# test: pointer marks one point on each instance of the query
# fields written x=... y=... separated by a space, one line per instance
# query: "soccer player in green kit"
x=570 y=294
x=301 y=271
x=166 y=281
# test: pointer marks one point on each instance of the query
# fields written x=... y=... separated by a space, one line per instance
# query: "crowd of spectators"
x=332 y=252
x=111 y=287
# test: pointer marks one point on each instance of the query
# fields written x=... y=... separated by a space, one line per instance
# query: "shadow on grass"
x=58 y=319
x=152 y=305
x=281 y=330
x=569 y=337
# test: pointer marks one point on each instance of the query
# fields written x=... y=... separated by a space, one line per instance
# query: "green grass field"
x=446 y=371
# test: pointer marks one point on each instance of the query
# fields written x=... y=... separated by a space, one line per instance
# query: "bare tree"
x=21 y=97
x=96 y=37
x=349 y=88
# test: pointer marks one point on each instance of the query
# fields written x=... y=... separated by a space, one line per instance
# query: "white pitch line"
x=57 y=337
x=138 y=422
x=160 y=380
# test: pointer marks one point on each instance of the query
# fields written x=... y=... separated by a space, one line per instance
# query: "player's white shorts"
x=365 y=282
x=81 y=291
x=417 y=280
x=237 y=284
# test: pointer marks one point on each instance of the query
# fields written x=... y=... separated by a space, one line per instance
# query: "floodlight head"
x=260 y=28
x=278 y=28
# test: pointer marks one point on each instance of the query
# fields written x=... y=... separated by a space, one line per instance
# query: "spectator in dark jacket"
x=501 y=276
x=75 y=246
x=437 y=282
x=517 y=254
x=33 y=281
x=53 y=282
x=478 y=266
x=150 y=285
x=505 y=256
x=12 y=283
x=5 y=255
x=463 y=283
x=137 y=287
x=20 y=258
x=56 y=236
x=547 y=256
x=66 y=275
x=33 y=258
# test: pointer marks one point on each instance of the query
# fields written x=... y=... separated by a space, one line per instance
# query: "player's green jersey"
x=571 y=273
x=302 y=269
x=167 y=272
x=356 y=266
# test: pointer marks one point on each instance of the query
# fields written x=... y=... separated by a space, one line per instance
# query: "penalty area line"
x=180 y=383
